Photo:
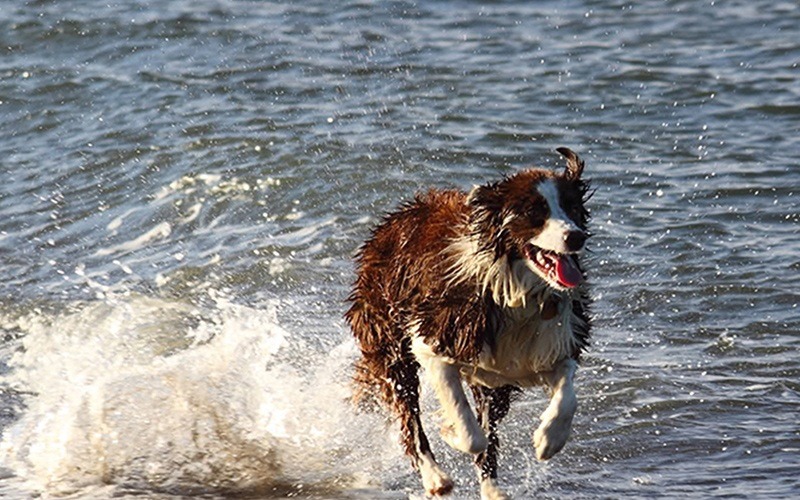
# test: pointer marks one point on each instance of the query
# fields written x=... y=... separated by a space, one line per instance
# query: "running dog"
x=486 y=288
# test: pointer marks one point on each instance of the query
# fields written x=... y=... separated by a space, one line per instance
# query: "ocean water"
x=184 y=184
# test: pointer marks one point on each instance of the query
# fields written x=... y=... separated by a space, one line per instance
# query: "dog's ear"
x=488 y=205
x=574 y=164
x=487 y=210
x=486 y=196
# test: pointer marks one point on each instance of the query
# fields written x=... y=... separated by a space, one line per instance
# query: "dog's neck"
x=509 y=282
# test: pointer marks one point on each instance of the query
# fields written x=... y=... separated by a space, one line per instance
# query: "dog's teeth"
x=542 y=260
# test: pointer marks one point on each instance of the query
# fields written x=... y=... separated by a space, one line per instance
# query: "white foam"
x=127 y=394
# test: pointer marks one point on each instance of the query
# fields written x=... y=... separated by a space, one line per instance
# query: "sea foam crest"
x=152 y=394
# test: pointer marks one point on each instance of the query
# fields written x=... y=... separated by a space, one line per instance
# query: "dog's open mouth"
x=559 y=269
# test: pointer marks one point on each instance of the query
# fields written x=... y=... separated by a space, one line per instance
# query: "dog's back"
x=403 y=269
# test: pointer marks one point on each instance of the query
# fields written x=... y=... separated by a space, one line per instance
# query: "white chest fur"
x=527 y=345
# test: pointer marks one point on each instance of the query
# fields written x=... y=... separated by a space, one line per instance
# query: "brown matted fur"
x=411 y=282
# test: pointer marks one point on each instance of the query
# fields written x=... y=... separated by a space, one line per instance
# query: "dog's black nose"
x=575 y=240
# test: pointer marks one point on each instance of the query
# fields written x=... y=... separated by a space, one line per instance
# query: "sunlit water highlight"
x=184 y=184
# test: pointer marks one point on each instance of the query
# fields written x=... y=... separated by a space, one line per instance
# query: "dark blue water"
x=184 y=184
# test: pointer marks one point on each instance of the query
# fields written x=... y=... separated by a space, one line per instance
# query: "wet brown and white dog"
x=485 y=288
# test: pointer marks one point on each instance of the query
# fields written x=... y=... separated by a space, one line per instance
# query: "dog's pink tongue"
x=568 y=273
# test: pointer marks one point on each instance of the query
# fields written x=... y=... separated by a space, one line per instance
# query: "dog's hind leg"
x=492 y=406
x=405 y=385
x=556 y=424
x=461 y=430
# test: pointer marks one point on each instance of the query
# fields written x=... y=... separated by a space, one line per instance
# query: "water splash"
x=155 y=395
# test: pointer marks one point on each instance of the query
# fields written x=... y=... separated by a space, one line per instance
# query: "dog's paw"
x=490 y=491
x=552 y=433
x=437 y=485
x=472 y=442
x=440 y=487
x=435 y=481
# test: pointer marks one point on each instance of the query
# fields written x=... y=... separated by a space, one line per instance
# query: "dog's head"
x=537 y=215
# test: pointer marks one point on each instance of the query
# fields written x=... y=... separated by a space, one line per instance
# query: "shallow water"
x=184 y=186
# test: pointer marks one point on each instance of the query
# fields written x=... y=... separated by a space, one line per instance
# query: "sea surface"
x=183 y=185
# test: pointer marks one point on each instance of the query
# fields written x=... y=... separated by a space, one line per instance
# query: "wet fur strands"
x=485 y=288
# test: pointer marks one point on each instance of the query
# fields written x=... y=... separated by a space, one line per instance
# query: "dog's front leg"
x=461 y=430
x=556 y=424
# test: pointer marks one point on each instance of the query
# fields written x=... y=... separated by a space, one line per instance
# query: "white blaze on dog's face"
x=550 y=253
x=557 y=226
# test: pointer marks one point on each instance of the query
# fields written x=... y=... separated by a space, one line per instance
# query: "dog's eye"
x=537 y=216
x=569 y=201
x=574 y=210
